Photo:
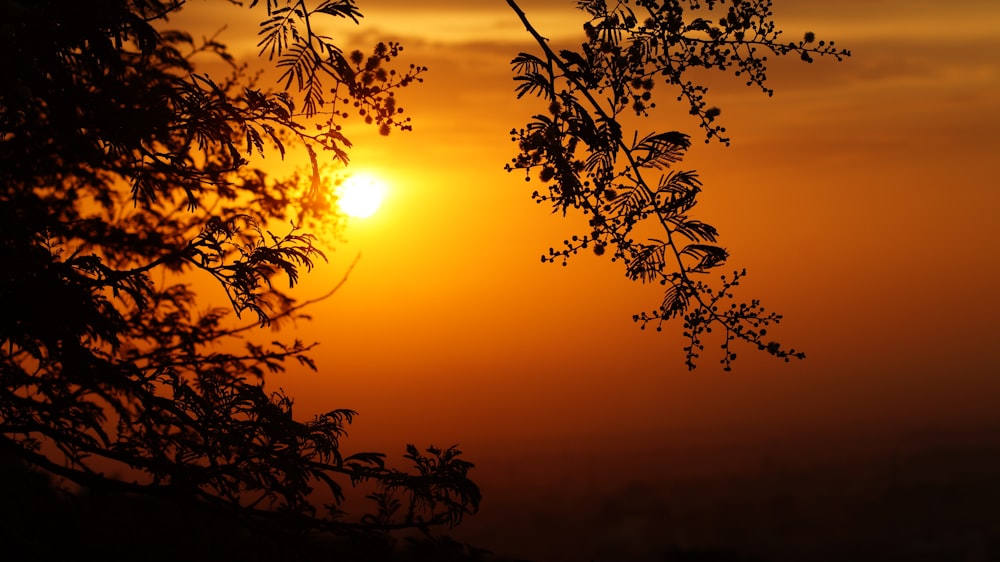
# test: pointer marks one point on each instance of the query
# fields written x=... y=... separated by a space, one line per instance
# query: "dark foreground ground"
x=931 y=495
x=920 y=496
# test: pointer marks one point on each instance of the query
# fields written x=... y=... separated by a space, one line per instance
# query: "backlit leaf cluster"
x=590 y=151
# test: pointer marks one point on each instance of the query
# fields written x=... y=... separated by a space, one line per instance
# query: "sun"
x=360 y=194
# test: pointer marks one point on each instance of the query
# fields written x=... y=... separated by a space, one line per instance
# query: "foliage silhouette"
x=626 y=183
x=45 y=524
x=126 y=172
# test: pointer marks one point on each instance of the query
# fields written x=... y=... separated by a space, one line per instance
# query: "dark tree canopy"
x=127 y=172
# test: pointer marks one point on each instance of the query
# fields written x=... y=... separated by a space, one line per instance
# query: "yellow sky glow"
x=846 y=196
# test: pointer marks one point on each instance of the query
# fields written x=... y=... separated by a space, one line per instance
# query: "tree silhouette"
x=126 y=173
x=625 y=182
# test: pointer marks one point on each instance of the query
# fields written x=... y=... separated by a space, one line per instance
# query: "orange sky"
x=862 y=198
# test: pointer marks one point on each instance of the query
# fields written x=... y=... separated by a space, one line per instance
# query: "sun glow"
x=360 y=194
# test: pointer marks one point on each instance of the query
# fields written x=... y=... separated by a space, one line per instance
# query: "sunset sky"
x=862 y=198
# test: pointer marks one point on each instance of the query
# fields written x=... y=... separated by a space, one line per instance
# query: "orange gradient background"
x=862 y=198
